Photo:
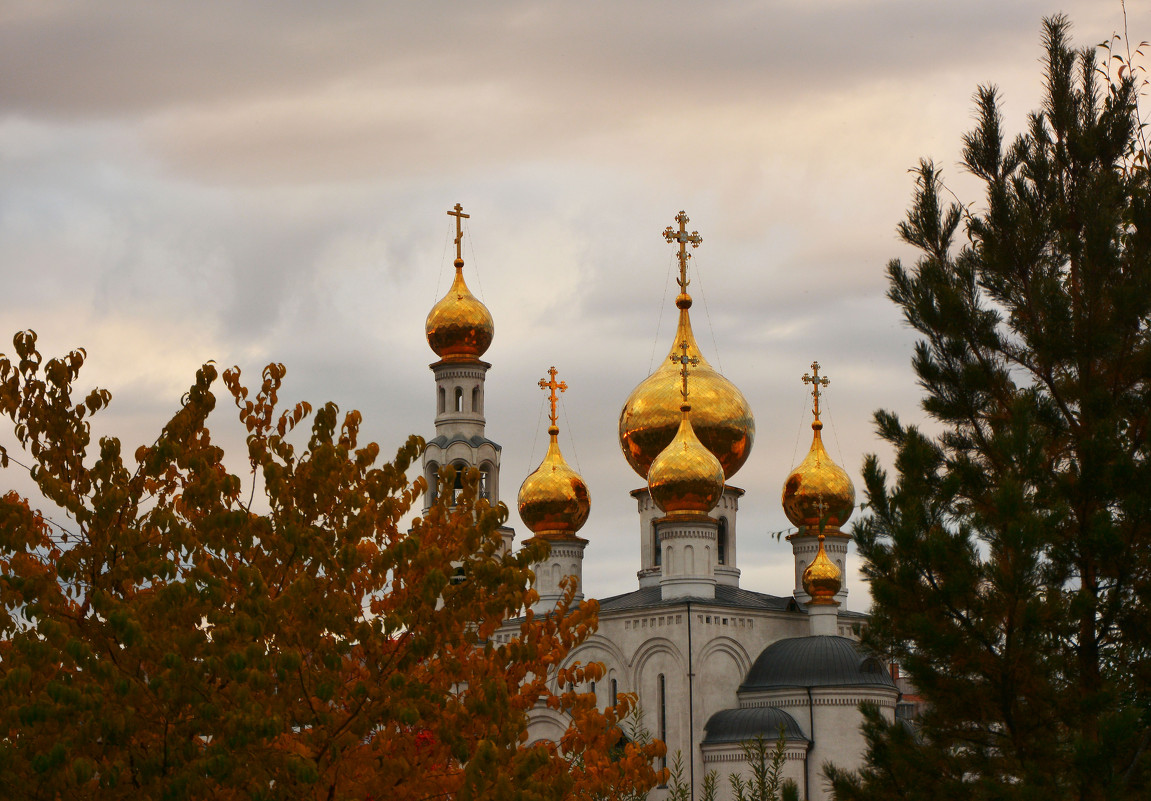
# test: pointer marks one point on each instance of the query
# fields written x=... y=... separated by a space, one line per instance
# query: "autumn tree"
x=163 y=636
x=1010 y=558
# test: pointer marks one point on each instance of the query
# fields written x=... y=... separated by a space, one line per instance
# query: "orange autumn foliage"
x=163 y=639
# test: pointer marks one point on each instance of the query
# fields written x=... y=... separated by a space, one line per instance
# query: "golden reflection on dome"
x=685 y=478
x=459 y=326
x=818 y=482
x=822 y=579
x=818 y=490
x=720 y=415
x=554 y=500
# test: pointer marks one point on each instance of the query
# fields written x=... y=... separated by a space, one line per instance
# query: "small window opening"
x=721 y=542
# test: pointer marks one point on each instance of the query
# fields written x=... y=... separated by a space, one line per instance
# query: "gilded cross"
x=684 y=239
x=683 y=360
x=816 y=380
x=552 y=386
x=821 y=507
x=458 y=213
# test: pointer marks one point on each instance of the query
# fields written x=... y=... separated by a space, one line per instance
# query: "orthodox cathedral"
x=713 y=664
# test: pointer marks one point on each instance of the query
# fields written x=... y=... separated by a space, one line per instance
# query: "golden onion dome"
x=822 y=579
x=720 y=416
x=554 y=500
x=459 y=327
x=685 y=478
x=818 y=490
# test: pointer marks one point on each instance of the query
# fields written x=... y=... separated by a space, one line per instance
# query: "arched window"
x=662 y=714
x=433 y=481
x=656 y=550
x=614 y=692
x=459 y=399
x=442 y=403
x=475 y=399
x=486 y=489
x=721 y=542
x=458 y=484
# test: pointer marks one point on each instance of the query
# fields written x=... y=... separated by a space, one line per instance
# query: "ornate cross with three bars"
x=552 y=385
x=458 y=213
x=684 y=239
x=816 y=380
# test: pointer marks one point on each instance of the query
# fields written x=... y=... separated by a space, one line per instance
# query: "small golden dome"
x=554 y=501
x=685 y=478
x=818 y=490
x=720 y=415
x=822 y=579
x=459 y=327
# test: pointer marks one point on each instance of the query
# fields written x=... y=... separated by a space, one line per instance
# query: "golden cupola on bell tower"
x=818 y=498
x=554 y=504
x=459 y=329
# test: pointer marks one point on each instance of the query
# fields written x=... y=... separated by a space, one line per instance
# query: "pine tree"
x=1010 y=558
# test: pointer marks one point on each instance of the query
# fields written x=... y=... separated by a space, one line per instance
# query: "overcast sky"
x=255 y=182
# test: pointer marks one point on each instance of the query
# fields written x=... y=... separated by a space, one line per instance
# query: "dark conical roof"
x=741 y=725
x=823 y=661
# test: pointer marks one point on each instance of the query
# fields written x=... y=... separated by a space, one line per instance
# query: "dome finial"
x=554 y=501
x=552 y=386
x=816 y=380
x=684 y=239
x=818 y=494
x=458 y=212
x=683 y=360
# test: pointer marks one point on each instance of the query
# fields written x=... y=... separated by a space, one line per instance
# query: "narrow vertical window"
x=476 y=399
x=458 y=484
x=442 y=404
x=655 y=546
x=721 y=542
x=663 y=715
x=614 y=692
x=459 y=399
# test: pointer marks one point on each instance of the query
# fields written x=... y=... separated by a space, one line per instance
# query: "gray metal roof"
x=740 y=725
x=816 y=662
x=725 y=595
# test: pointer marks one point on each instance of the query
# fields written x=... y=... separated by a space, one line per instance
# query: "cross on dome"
x=683 y=360
x=816 y=380
x=458 y=213
x=552 y=385
x=684 y=239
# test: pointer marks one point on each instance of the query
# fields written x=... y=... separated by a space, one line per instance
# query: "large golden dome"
x=554 y=501
x=459 y=326
x=685 y=477
x=720 y=415
x=822 y=579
